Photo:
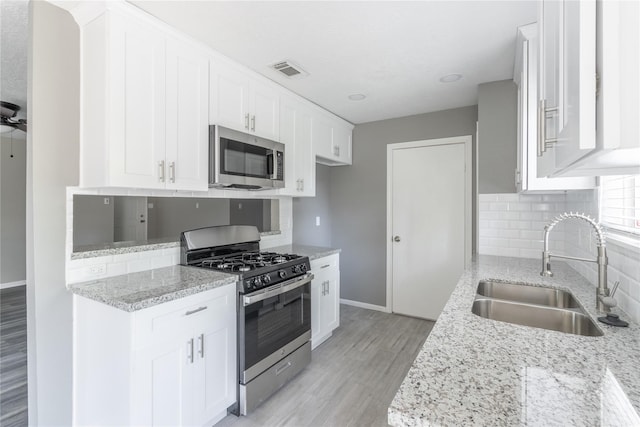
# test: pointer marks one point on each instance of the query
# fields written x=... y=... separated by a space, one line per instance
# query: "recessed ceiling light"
x=450 y=78
x=357 y=97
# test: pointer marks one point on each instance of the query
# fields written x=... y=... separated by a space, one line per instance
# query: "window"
x=620 y=203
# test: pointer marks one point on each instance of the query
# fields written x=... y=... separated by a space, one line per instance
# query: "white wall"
x=52 y=165
x=513 y=225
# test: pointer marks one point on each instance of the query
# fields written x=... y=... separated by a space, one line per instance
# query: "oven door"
x=273 y=322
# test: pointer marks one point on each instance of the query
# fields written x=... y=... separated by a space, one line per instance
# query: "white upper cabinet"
x=331 y=140
x=525 y=76
x=243 y=102
x=341 y=149
x=187 y=117
x=588 y=89
x=144 y=106
x=295 y=133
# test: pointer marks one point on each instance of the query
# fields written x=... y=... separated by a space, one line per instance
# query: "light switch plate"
x=317 y=221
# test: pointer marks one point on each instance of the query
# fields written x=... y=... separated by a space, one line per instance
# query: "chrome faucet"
x=604 y=300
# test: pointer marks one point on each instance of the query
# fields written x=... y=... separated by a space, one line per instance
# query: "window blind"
x=620 y=203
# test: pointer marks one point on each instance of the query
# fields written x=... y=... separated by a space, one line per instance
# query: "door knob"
x=396 y=239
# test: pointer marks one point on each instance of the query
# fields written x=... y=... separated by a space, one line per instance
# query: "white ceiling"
x=393 y=52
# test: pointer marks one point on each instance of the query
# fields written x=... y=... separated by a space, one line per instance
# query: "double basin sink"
x=539 y=307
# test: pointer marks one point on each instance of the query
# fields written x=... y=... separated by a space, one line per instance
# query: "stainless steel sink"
x=537 y=316
x=538 y=307
x=549 y=297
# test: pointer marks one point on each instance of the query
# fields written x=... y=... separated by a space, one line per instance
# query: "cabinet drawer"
x=180 y=317
x=329 y=262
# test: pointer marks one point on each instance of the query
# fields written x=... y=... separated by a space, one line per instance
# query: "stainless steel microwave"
x=240 y=160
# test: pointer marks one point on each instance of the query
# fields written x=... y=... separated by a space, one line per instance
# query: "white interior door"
x=130 y=219
x=430 y=226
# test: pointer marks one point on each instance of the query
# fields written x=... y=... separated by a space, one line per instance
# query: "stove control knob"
x=282 y=274
x=303 y=268
x=255 y=282
x=266 y=278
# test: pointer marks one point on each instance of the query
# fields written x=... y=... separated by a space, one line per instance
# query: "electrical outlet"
x=317 y=221
x=97 y=270
x=197 y=205
x=107 y=200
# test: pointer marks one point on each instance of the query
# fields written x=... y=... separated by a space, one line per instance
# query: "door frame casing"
x=466 y=140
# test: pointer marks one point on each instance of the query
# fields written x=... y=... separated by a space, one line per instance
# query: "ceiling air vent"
x=289 y=69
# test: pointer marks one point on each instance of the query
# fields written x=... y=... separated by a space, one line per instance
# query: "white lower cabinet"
x=172 y=364
x=325 y=298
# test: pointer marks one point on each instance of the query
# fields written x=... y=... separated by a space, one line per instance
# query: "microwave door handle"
x=271 y=165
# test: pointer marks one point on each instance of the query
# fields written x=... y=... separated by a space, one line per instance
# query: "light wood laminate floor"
x=13 y=357
x=352 y=378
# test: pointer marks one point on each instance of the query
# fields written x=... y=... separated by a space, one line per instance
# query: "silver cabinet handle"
x=172 y=172
x=246 y=121
x=302 y=185
x=201 y=345
x=190 y=350
x=161 y=171
x=253 y=123
x=189 y=313
x=543 y=141
x=297 y=185
x=517 y=177
x=325 y=266
x=396 y=239
x=328 y=288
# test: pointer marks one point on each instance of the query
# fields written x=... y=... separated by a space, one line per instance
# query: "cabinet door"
x=317 y=299
x=264 y=105
x=567 y=81
x=288 y=115
x=305 y=166
x=342 y=143
x=330 y=313
x=136 y=110
x=215 y=373
x=215 y=367
x=295 y=133
x=322 y=136
x=527 y=132
x=229 y=96
x=187 y=117
x=162 y=389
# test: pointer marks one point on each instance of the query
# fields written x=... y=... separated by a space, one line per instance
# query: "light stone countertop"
x=474 y=371
x=313 y=252
x=137 y=291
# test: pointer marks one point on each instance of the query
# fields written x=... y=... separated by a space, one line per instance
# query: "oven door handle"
x=278 y=289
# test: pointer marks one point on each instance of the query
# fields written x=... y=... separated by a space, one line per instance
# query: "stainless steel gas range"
x=274 y=306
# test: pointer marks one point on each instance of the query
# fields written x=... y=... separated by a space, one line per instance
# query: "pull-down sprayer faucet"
x=603 y=300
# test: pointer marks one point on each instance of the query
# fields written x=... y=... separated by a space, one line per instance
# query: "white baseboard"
x=364 y=305
x=12 y=284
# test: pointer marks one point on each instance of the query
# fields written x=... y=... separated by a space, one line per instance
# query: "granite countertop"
x=313 y=252
x=137 y=291
x=474 y=371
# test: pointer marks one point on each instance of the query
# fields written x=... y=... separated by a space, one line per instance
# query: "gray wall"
x=497 y=121
x=52 y=166
x=305 y=210
x=13 y=173
x=358 y=197
x=247 y=212
x=93 y=221
x=172 y=215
